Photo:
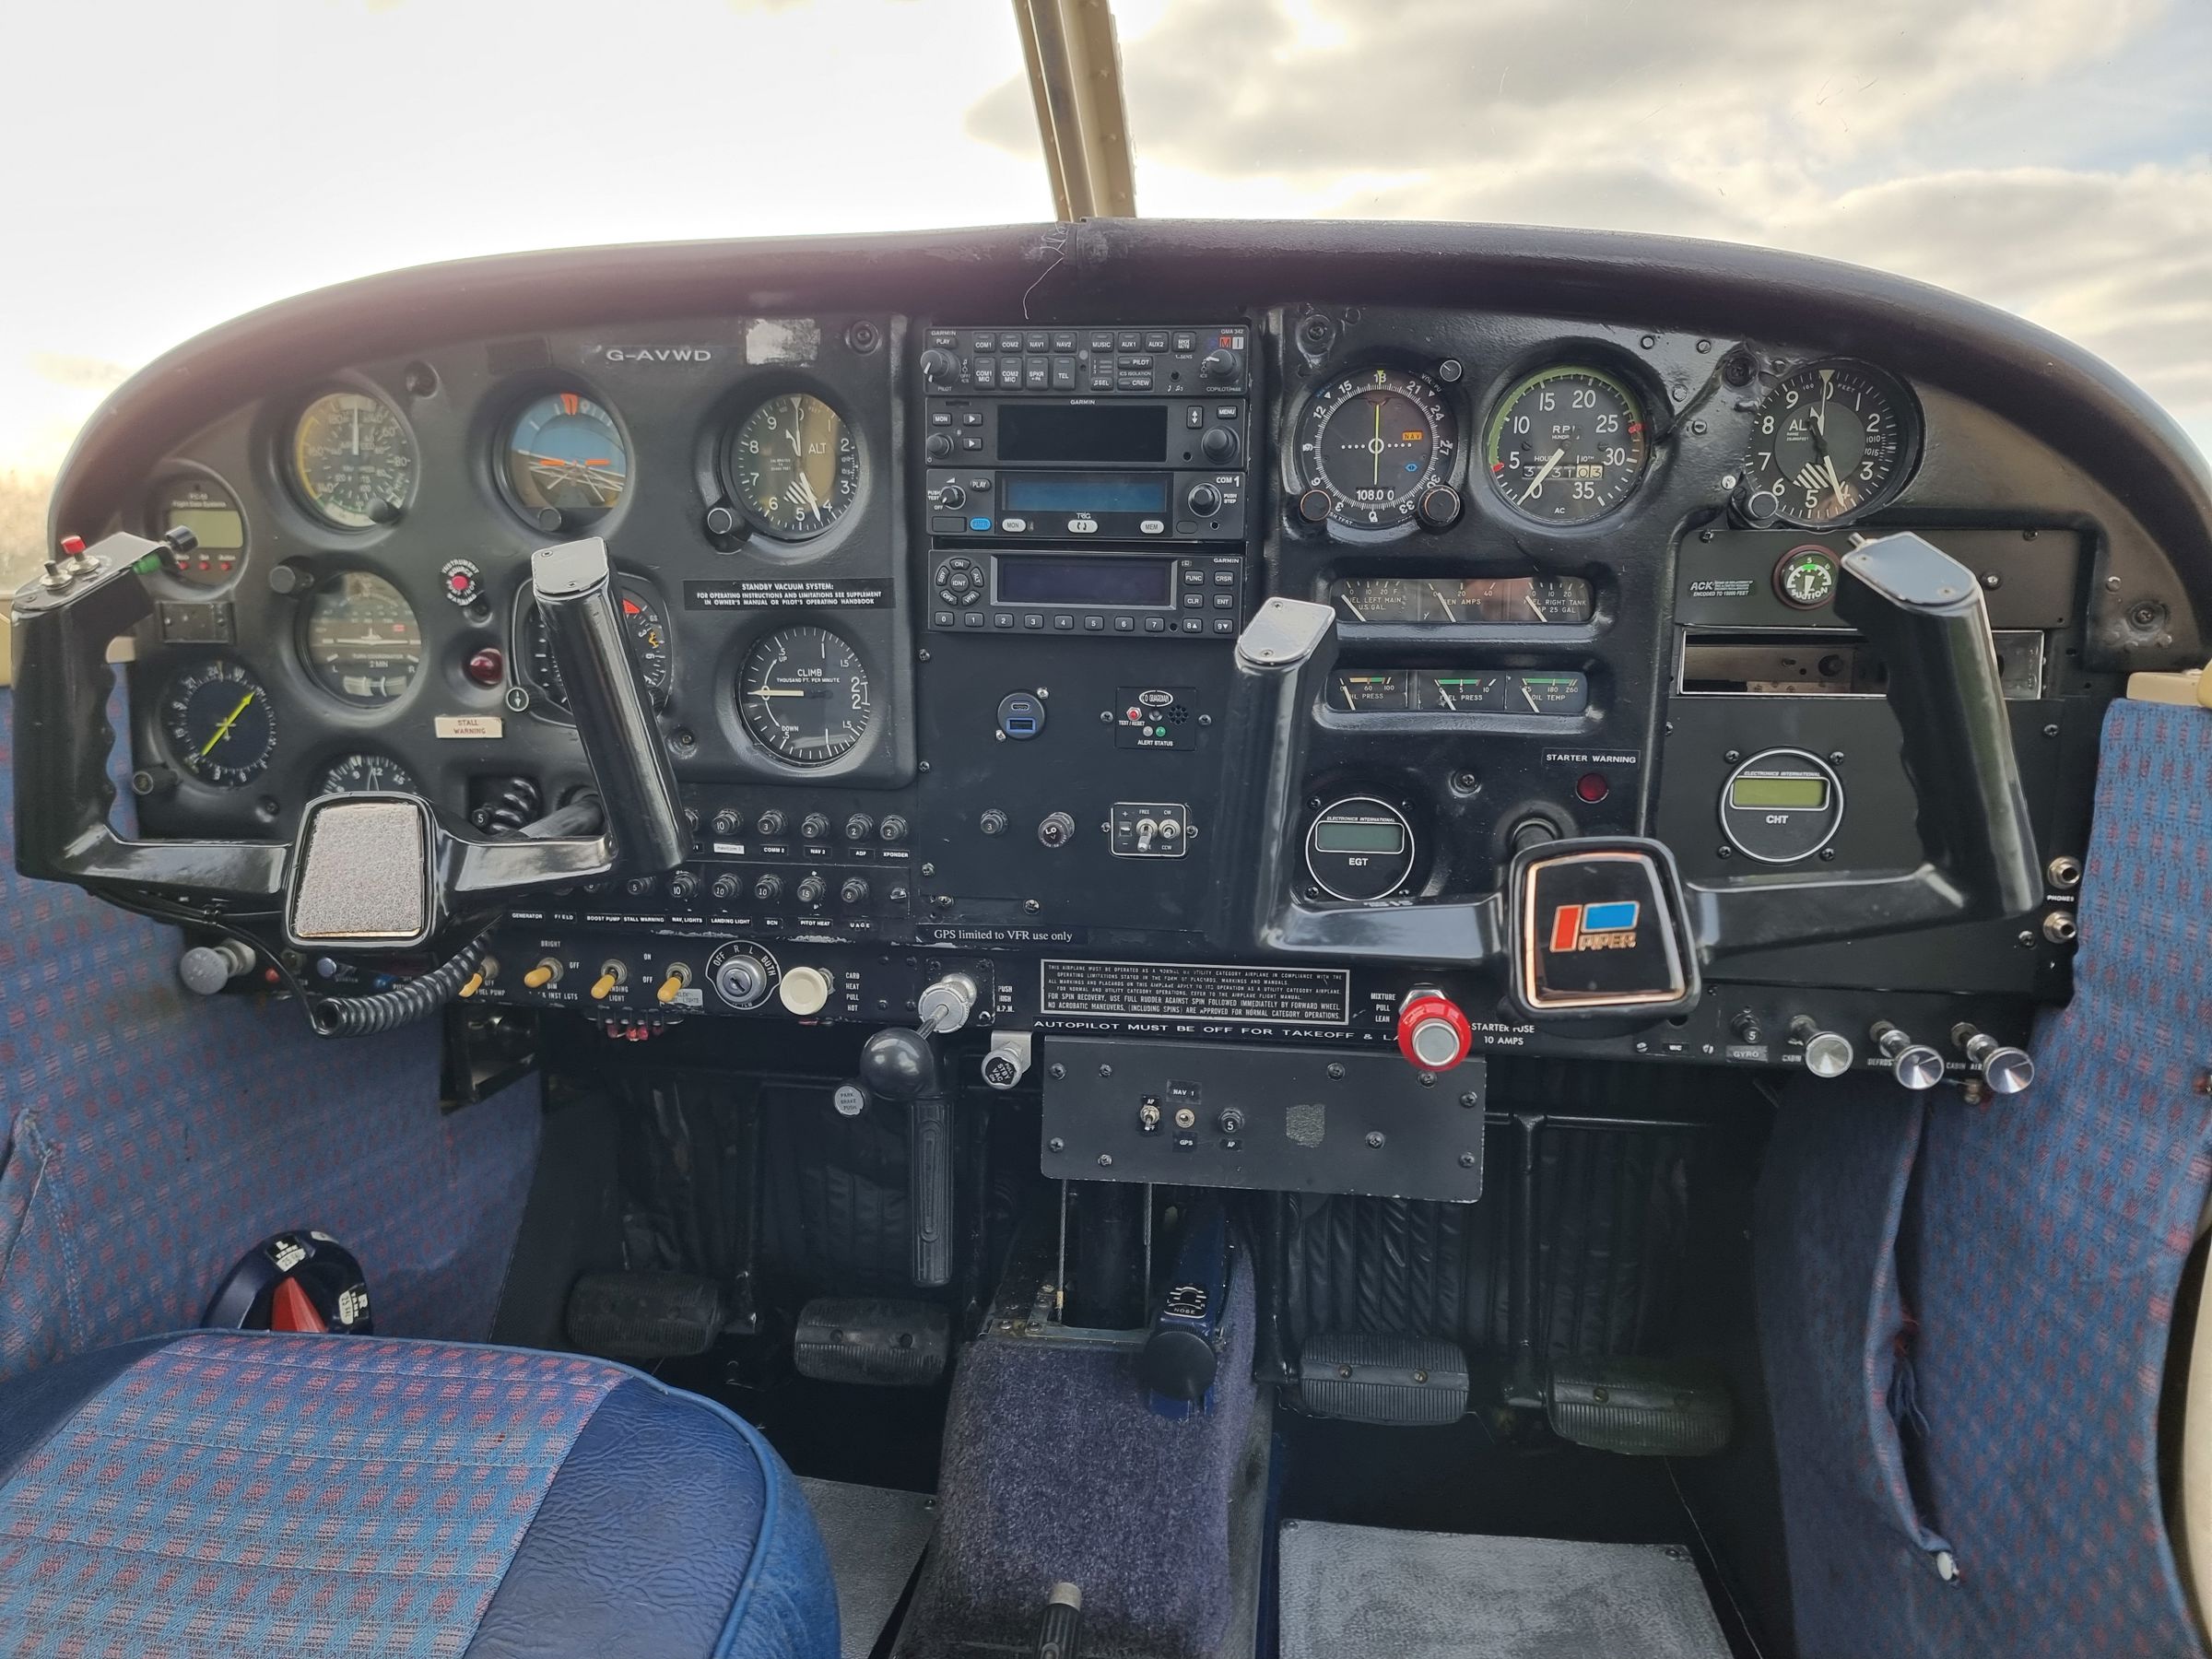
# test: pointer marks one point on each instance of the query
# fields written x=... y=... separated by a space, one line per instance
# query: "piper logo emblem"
x=1610 y=926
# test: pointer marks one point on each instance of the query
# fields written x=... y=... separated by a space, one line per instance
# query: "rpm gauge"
x=803 y=694
x=219 y=722
x=565 y=463
x=1831 y=440
x=795 y=467
x=1373 y=443
x=360 y=637
x=353 y=460
x=1565 y=445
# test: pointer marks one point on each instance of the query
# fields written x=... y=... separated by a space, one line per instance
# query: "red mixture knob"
x=1432 y=1033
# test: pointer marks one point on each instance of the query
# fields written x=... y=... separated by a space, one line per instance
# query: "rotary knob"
x=949 y=498
x=939 y=367
x=1217 y=444
x=2006 y=1069
x=1314 y=506
x=938 y=446
x=1439 y=508
x=1433 y=1034
x=1218 y=365
x=1915 y=1066
x=1203 y=500
x=1827 y=1053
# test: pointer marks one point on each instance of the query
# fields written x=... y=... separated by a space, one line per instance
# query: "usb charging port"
x=1021 y=726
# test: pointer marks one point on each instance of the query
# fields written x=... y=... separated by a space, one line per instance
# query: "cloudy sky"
x=187 y=162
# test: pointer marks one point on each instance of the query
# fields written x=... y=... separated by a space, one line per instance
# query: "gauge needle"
x=1444 y=602
x=1830 y=462
x=774 y=692
x=1529 y=697
x=1530 y=597
x=1439 y=684
x=357 y=432
x=814 y=503
x=223 y=730
x=1358 y=614
x=1543 y=473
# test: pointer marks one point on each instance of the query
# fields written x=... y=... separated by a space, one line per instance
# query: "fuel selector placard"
x=1782 y=806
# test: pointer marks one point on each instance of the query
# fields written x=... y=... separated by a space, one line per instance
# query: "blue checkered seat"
x=248 y=1493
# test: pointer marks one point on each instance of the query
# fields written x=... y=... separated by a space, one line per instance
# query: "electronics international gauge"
x=1372 y=446
x=803 y=694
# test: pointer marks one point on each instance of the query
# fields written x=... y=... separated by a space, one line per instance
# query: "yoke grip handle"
x=63 y=682
x=1923 y=612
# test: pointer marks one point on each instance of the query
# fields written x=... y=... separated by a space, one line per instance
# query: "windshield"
x=2053 y=157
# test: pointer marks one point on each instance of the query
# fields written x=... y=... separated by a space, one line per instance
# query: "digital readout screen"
x=1115 y=434
x=1047 y=578
x=1348 y=835
x=220 y=529
x=1085 y=492
x=1753 y=792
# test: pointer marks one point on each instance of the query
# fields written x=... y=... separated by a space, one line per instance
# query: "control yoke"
x=1919 y=607
x=65 y=622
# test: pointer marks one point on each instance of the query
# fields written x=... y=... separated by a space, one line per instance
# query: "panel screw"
x=1374 y=1139
x=1205 y=720
x=1464 y=781
x=1056 y=1144
x=1105 y=716
x=1470 y=1099
x=1828 y=855
x=929 y=869
x=2051 y=730
x=1697 y=428
x=1835 y=757
x=1466 y=1160
x=1703 y=347
x=1105 y=1071
x=2112 y=583
x=1992 y=581
x=1428 y=1079
x=1648 y=341
x=1031 y=905
x=1105 y=1161
x=1335 y=1072
x=1733 y=756
x=920 y=656
x=1056 y=1071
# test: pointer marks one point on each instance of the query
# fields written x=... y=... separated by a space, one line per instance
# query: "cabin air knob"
x=1433 y=1034
x=2006 y=1069
x=1915 y=1066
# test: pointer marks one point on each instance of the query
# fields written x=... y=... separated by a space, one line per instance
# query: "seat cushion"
x=252 y=1493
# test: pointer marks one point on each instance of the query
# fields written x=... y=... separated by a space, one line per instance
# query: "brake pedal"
x=1412 y=1382
x=872 y=1339
x=1642 y=1408
x=645 y=1315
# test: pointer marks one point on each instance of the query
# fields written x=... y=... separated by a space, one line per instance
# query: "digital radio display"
x=1094 y=434
x=1048 y=579
x=1085 y=492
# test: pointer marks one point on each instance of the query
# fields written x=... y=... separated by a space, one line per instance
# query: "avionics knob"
x=804 y=990
x=1314 y=506
x=1827 y=1053
x=811 y=890
x=1433 y=1034
x=770 y=823
x=726 y=889
x=683 y=885
x=853 y=891
x=947 y=1004
x=859 y=827
x=1217 y=443
x=948 y=497
x=1203 y=500
x=768 y=888
x=938 y=368
x=1915 y=1066
x=938 y=446
x=813 y=827
x=2006 y=1069
x=1218 y=365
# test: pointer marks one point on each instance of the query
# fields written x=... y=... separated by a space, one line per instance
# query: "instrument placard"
x=1204 y=990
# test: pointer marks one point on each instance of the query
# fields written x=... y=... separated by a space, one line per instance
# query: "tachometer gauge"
x=1830 y=441
x=641 y=614
x=360 y=637
x=219 y=722
x=1565 y=445
x=353 y=460
x=795 y=467
x=366 y=774
x=803 y=694
x=1373 y=443
x=211 y=512
x=564 y=463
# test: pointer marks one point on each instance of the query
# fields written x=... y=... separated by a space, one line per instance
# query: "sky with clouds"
x=178 y=164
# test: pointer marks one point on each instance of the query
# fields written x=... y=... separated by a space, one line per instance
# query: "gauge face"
x=219 y=722
x=1830 y=441
x=1373 y=443
x=795 y=467
x=366 y=774
x=360 y=638
x=1531 y=601
x=1565 y=445
x=565 y=463
x=1805 y=578
x=211 y=512
x=648 y=632
x=353 y=460
x=804 y=695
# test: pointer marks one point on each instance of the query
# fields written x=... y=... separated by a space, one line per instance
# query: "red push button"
x=1592 y=787
x=487 y=666
x=1432 y=1033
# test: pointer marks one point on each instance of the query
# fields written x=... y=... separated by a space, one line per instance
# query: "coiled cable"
x=403 y=1005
